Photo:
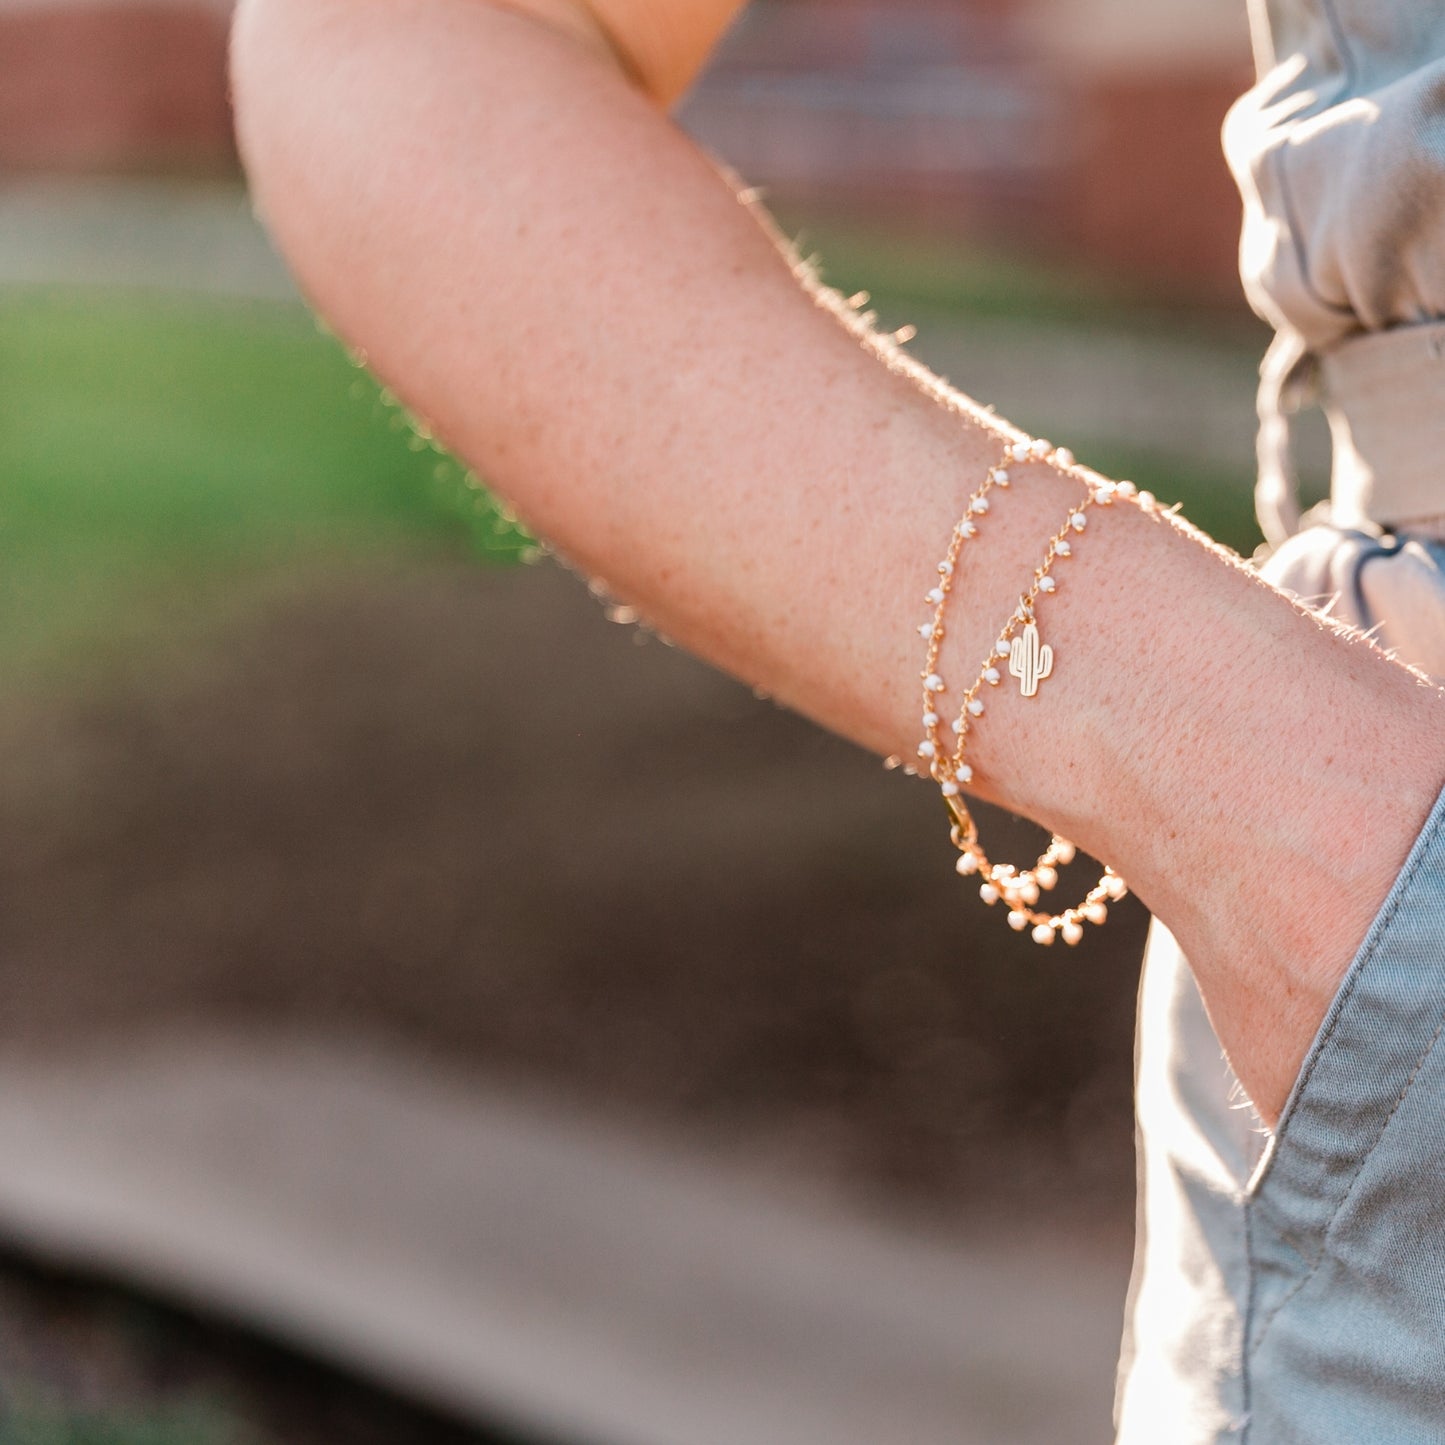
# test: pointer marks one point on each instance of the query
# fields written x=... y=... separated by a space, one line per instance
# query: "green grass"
x=942 y=275
x=158 y=457
x=163 y=459
x=177 y=1425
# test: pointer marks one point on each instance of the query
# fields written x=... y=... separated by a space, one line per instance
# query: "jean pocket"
x=1382 y=1028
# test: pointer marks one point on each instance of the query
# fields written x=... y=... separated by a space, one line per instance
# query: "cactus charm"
x=1030 y=660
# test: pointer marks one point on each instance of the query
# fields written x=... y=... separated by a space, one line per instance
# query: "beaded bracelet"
x=1030 y=660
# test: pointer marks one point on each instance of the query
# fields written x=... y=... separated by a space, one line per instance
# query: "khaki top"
x=1339 y=152
x=1289 y=1288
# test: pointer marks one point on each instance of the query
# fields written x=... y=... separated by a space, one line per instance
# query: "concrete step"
x=516 y=1260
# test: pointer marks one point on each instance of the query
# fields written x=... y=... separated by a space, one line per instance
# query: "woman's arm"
x=660 y=44
x=558 y=281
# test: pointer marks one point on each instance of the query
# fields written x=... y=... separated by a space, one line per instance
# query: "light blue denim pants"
x=1290 y=1289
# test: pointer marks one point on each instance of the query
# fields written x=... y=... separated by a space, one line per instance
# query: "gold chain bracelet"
x=1030 y=660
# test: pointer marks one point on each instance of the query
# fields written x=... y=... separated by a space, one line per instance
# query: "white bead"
x=949 y=790
x=934 y=683
x=969 y=530
x=930 y=719
x=927 y=750
x=1064 y=457
x=1047 y=584
x=927 y=631
x=1018 y=921
x=1072 y=933
x=964 y=773
x=945 y=568
x=1078 y=521
x=1125 y=489
x=975 y=706
x=957 y=725
x=936 y=596
x=989 y=894
x=1146 y=500
x=966 y=866
x=1003 y=647
x=1064 y=549
x=1040 y=448
x=1044 y=934
x=1029 y=892
x=1000 y=476
x=1064 y=851
x=979 y=505
x=1047 y=876
x=1095 y=912
x=1019 y=451
x=991 y=676
x=1116 y=886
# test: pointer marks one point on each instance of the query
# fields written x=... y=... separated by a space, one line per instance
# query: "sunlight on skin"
x=661 y=45
x=546 y=269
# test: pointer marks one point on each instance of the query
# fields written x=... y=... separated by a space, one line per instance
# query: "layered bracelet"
x=1022 y=653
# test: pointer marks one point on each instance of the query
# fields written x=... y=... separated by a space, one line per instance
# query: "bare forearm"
x=560 y=283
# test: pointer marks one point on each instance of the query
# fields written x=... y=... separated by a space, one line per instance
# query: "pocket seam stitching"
x=1405 y=883
x=1347 y=991
x=1345 y=1198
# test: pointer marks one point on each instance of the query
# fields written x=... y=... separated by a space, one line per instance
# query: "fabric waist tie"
x=1384 y=395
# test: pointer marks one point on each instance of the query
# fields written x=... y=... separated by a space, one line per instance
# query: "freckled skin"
x=535 y=258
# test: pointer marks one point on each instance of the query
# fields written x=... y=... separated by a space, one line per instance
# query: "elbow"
x=264 y=65
x=260 y=58
x=309 y=89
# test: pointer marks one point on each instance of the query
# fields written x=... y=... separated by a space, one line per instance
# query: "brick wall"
x=1150 y=194
x=1146 y=190
x=113 y=86
x=1090 y=127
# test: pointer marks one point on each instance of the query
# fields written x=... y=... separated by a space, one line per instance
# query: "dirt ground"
x=84 y=1363
x=460 y=808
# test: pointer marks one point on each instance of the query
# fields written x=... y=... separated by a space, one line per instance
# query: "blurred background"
x=363 y=1080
